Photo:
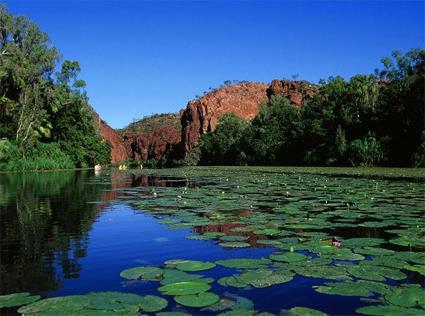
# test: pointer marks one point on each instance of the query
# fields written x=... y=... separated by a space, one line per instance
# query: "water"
x=69 y=232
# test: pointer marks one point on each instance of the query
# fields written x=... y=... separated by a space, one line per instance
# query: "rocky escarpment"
x=152 y=137
x=295 y=91
x=118 y=149
x=201 y=115
x=176 y=134
x=243 y=99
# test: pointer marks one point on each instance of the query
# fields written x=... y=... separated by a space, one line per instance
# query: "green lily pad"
x=172 y=314
x=243 y=263
x=17 y=299
x=234 y=244
x=192 y=265
x=268 y=232
x=144 y=273
x=288 y=257
x=344 y=289
x=153 y=303
x=302 y=311
x=197 y=300
x=184 y=288
x=65 y=304
x=238 y=312
x=389 y=310
x=407 y=296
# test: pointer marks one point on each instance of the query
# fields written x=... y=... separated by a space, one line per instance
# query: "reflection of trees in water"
x=44 y=225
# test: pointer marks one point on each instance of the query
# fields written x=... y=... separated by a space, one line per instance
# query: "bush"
x=41 y=157
x=366 y=151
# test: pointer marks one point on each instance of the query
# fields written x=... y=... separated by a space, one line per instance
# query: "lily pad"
x=243 y=263
x=145 y=273
x=153 y=303
x=197 y=300
x=184 y=288
x=17 y=299
x=192 y=265
x=389 y=310
x=302 y=311
x=288 y=257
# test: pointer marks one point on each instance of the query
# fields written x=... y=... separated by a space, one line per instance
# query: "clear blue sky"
x=141 y=57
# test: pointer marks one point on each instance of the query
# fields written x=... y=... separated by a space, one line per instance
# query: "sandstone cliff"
x=118 y=150
x=201 y=115
x=152 y=137
x=243 y=99
x=295 y=91
x=176 y=134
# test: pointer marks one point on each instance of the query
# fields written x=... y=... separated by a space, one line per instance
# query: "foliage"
x=38 y=104
x=221 y=146
x=368 y=120
x=41 y=156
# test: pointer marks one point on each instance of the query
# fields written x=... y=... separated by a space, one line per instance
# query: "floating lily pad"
x=243 y=263
x=389 y=310
x=17 y=299
x=153 y=303
x=184 y=288
x=235 y=244
x=60 y=305
x=192 y=265
x=145 y=273
x=197 y=300
x=407 y=296
x=288 y=257
x=302 y=311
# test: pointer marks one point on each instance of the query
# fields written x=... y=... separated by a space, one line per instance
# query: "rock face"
x=118 y=150
x=176 y=134
x=152 y=137
x=295 y=91
x=201 y=115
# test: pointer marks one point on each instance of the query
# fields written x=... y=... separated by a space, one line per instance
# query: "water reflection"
x=44 y=227
x=45 y=220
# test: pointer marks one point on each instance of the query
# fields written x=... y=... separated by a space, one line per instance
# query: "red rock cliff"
x=118 y=150
x=295 y=91
x=201 y=115
x=152 y=137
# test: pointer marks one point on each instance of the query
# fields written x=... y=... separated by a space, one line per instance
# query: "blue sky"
x=141 y=57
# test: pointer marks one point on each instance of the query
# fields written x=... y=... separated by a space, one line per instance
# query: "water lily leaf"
x=17 y=299
x=184 y=288
x=406 y=296
x=374 y=251
x=344 y=289
x=174 y=276
x=302 y=311
x=153 y=303
x=234 y=244
x=243 y=263
x=65 y=304
x=268 y=232
x=192 y=265
x=389 y=310
x=288 y=257
x=144 y=273
x=172 y=314
x=233 y=238
x=420 y=268
x=197 y=300
x=238 y=312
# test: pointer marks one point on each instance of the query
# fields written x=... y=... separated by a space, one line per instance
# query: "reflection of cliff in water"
x=44 y=223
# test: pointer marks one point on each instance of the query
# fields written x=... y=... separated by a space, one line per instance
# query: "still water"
x=73 y=232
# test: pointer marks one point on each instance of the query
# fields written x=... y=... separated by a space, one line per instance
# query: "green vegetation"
x=149 y=123
x=46 y=121
x=369 y=120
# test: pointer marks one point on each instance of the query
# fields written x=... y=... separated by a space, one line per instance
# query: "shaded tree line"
x=368 y=120
x=46 y=121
